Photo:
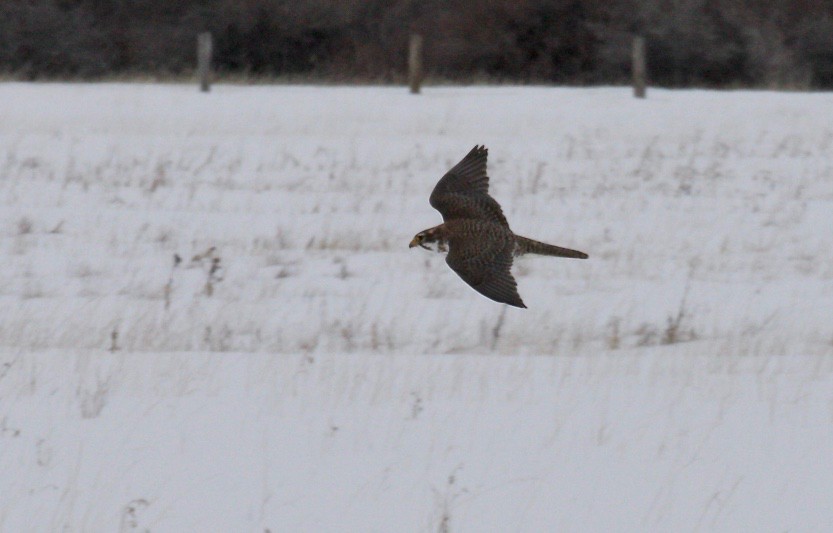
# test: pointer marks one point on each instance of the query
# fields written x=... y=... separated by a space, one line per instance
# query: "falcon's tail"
x=529 y=246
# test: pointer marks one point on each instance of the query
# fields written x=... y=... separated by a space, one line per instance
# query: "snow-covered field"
x=300 y=369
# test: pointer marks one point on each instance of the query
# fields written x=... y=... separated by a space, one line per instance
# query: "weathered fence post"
x=204 y=60
x=638 y=67
x=415 y=63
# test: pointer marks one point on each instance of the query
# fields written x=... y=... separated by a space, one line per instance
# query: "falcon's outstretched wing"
x=463 y=192
x=485 y=265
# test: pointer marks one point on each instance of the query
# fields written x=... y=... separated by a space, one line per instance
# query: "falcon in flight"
x=475 y=233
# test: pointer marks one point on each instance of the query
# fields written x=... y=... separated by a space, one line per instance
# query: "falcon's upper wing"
x=463 y=192
x=485 y=265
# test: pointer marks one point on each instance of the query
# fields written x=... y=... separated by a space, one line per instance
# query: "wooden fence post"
x=415 y=63
x=204 y=60
x=638 y=67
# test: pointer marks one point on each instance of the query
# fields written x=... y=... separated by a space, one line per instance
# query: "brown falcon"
x=475 y=233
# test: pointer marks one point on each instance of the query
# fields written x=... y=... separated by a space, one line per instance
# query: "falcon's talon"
x=475 y=233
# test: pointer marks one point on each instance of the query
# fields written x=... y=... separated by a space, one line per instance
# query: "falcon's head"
x=433 y=239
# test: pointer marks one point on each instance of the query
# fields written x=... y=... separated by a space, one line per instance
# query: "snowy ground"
x=325 y=377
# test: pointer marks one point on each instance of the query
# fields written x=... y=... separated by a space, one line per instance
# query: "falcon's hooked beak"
x=418 y=240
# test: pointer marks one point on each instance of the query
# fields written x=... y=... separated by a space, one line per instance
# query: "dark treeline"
x=763 y=43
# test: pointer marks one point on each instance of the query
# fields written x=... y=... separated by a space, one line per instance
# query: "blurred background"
x=210 y=319
x=707 y=43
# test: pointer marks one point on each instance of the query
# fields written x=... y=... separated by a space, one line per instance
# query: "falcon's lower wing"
x=488 y=274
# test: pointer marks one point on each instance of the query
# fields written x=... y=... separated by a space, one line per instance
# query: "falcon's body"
x=475 y=233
